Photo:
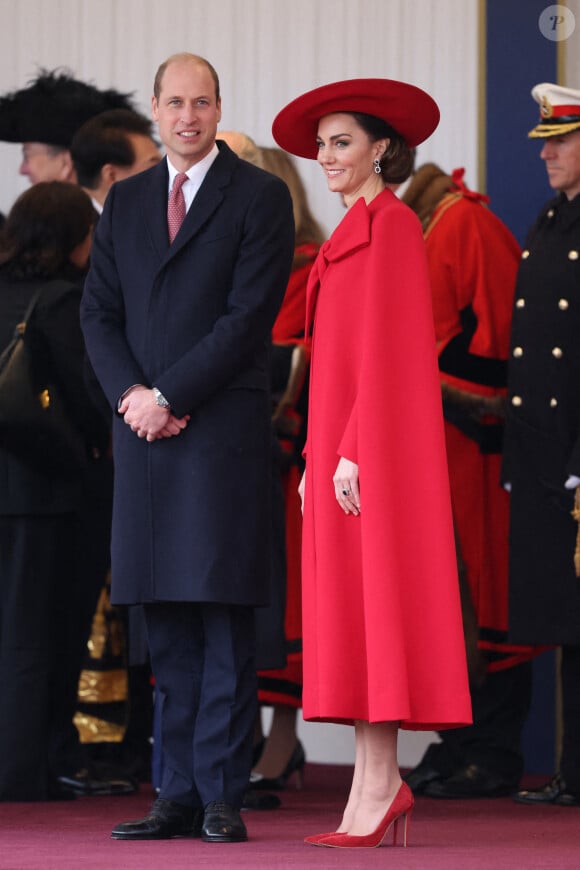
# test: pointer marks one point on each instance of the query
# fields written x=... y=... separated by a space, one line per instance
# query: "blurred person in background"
x=109 y=147
x=51 y=561
x=45 y=115
x=473 y=258
x=282 y=753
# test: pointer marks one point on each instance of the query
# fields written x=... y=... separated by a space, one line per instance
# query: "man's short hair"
x=105 y=139
x=185 y=56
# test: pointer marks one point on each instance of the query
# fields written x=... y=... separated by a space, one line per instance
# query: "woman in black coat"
x=53 y=527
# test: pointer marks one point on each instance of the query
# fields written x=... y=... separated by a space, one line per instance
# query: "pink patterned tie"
x=176 y=206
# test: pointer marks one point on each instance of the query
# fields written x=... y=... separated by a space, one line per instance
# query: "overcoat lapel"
x=155 y=208
x=208 y=199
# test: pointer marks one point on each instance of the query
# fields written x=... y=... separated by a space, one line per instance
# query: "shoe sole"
x=186 y=834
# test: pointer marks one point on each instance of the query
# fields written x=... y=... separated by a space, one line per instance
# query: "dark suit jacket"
x=191 y=513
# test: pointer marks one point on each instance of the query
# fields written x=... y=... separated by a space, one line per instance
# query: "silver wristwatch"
x=160 y=398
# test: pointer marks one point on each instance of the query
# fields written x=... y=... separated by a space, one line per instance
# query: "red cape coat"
x=382 y=629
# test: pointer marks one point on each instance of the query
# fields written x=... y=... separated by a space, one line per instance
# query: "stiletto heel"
x=300 y=775
x=257 y=750
x=406 y=826
x=295 y=765
x=401 y=808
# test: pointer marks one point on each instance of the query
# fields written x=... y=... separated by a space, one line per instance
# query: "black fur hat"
x=53 y=107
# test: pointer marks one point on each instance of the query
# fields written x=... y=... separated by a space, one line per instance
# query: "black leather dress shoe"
x=471 y=781
x=167 y=819
x=57 y=792
x=420 y=777
x=82 y=783
x=222 y=824
x=260 y=800
x=555 y=792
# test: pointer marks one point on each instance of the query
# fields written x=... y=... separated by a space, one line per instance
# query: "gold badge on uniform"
x=546 y=108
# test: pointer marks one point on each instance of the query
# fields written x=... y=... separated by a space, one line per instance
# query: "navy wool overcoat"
x=191 y=518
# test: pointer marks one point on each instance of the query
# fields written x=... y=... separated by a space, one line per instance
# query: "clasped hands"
x=146 y=418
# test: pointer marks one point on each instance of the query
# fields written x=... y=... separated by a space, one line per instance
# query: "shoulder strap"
x=58 y=282
x=31 y=306
x=19 y=329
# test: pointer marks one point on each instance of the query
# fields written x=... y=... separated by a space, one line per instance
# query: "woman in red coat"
x=382 y=633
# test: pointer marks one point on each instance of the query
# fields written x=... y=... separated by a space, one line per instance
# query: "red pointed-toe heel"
x=317 y=839
x=401 y=808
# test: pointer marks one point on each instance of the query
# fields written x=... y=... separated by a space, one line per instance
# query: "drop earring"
x=377 y=166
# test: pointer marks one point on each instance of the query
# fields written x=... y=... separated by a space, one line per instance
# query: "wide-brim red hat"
x=406 y=108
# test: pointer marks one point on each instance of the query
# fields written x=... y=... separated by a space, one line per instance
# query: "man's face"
x=187 y=112
x=562 y=158
x=42 y=162
x=146 y=155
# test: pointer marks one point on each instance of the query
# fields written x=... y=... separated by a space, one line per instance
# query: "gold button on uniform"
x=526 y=254
x=553 y=403
x=550 y=213
x=518 y=351
x=563 y=304
x=517 y=401
x=573 y=255
x=521 y=303
x=557 y=352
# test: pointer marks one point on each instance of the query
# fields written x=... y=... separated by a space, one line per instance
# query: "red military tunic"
x=473 y=259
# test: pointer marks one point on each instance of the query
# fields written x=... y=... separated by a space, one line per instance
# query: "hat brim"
x=544 y=131
x=406 y=108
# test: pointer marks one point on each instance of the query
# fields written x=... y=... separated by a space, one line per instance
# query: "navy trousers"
x=203 y=662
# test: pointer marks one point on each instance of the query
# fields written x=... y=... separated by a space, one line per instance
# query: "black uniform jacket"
x=542 y=439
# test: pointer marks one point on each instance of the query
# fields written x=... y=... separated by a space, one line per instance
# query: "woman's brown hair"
x=280 y=163
x=398 y=160
x=45 y=225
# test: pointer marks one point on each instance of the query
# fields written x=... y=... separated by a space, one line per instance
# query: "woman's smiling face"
x=346 y=155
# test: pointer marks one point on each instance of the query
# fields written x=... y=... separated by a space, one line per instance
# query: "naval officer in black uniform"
x=542 y=438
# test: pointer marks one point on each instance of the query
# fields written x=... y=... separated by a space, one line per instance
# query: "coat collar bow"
x=352 y=234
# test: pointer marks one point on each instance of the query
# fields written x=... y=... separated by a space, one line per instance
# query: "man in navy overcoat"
x=178 y=334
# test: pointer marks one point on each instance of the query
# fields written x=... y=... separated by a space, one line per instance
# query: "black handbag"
x=34 y=423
